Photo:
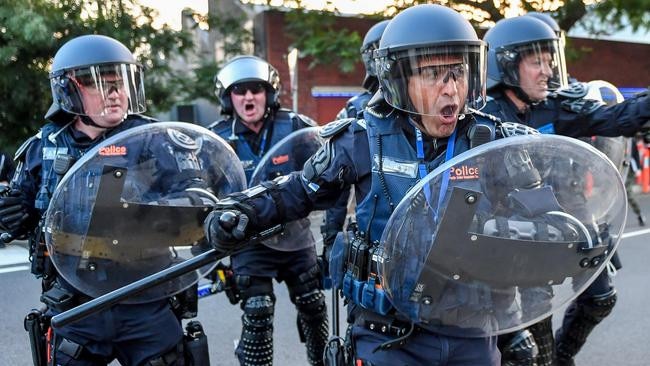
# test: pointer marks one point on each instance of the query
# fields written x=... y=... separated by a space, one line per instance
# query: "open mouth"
x=249 y=107
x=449 y=110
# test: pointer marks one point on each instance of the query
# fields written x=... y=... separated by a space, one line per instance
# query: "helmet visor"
x=539 y=67
x=101 y=90
x=434 y=81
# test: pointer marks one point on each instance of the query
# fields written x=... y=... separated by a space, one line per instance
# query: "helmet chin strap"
x=519 y=92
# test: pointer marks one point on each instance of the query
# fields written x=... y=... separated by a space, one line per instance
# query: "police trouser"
x=137 y=334
x=423 y=347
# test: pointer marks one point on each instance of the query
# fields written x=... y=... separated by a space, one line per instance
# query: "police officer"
x=97 y=90
x=248 y=89
x=527 y=83
x=370 y=42
x=428 y=79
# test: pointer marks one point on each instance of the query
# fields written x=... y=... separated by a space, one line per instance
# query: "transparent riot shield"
x=502 y=235
x=135 y=205
x=289 y=155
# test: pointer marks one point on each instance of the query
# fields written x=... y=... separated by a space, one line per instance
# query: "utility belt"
x=354 y=264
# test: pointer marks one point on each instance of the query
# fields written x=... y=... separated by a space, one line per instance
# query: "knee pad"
x=599 y=307
x=258 y=312
x=520 y=350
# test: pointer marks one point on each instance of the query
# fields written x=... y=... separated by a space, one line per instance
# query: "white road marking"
x=635 y=233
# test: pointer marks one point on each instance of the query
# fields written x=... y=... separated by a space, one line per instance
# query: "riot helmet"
x=547 y=19
x=444 y=46
x=247 y=69
x=369 y=45
x=524 y=42
x=89 y=70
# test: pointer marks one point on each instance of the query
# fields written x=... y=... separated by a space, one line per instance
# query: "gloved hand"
x=13 y=213
x=228 y=228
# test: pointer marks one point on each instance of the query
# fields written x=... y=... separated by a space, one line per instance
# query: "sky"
x=170 y=13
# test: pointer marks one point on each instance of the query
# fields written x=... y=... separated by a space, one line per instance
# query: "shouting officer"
x=248 y=89
x=527 y=83
x=370 y=42
x=97 y=90
x=428 y=80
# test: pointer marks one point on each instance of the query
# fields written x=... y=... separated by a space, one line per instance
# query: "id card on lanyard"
x=449 y=153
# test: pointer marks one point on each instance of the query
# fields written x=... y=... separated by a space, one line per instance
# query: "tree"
x=319 y=40
x=31 y=31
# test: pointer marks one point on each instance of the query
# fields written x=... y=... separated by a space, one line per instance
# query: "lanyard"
x=449 y=153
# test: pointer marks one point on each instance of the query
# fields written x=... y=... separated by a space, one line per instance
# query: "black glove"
x=228 y=228
x=13 y=212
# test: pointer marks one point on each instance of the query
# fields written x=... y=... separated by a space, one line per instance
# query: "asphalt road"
x=618 y=340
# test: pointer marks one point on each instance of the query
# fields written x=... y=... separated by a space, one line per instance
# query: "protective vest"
x=56 y=141
x=296 y=234
x=282 y=126
x=395 y=169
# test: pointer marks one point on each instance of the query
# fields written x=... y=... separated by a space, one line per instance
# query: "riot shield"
x=135 y=205
x=502 y=235
x=289 y=155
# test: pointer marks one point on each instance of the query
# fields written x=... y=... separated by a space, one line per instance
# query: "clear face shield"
x=101 y=91
x=538 y=65
x=434 y=81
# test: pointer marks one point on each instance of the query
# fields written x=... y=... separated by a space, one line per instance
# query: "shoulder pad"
x=573 y=91
x=335 y=127
x=20 y=153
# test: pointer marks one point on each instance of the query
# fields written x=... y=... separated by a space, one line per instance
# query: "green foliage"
x=316 y=36
x=31 y=31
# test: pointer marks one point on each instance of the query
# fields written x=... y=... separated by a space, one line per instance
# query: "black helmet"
x=98 y=62
x=512 y=38
x=369 y=45
x=424 y=32
x=242 y=69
